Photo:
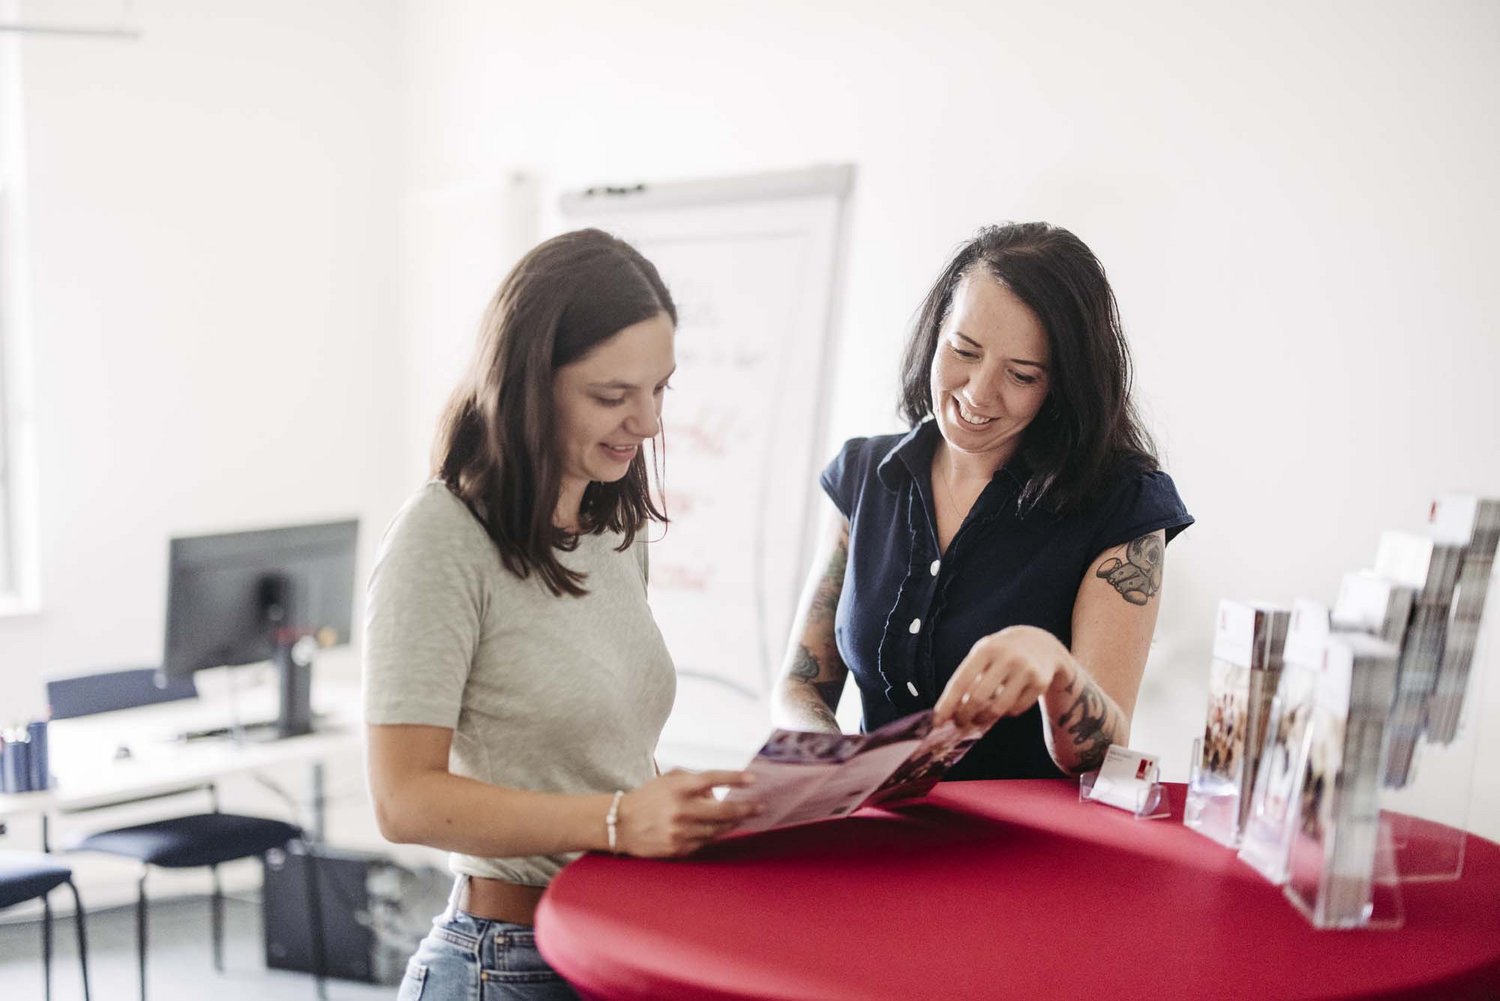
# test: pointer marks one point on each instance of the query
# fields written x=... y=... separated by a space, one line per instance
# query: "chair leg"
x=218 y=920
x=83 y=945
x=140 y=930
x=315 y=922
x=46 y=948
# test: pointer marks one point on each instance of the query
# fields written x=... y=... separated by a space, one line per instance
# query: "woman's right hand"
x=676 y=813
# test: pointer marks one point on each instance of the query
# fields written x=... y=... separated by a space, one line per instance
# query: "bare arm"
x=1086 y=708
x=813 y=675
x=418 y=801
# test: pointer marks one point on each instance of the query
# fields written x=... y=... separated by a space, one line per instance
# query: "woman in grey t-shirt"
x=515 y=682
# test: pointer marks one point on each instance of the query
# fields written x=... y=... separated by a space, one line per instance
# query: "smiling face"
x=607 y=403
x=989 y=372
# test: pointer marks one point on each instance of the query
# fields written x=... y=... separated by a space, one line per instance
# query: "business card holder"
x=1144 y=799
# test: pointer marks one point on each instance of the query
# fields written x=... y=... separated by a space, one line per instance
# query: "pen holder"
x=1142 y=799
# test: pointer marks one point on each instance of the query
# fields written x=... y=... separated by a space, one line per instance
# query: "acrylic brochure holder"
x=1411 y=824
x=1419 y=836
x=1370 y=752
x=1361 y=898
x=1248 y=656
x=1430 y=779
x=1128 y=780
x=1429 y=815
x=1208 y=807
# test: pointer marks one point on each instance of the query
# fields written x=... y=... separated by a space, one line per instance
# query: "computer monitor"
x=279 y=594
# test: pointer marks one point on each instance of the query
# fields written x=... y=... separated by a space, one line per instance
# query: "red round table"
x=997 y=890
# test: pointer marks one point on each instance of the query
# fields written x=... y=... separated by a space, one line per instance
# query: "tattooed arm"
x=813 y=677
x=1082 y=721
x=1085 y=708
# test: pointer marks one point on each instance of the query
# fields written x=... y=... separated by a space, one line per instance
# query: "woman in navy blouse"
x=1001 y=563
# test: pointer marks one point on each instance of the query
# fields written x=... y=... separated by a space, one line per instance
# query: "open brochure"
x=801 y=777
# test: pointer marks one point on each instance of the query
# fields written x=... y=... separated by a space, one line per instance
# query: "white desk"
x=89 y=776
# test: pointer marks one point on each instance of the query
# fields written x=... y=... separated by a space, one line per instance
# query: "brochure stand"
x=1429 y=816
x=1333 y=900
x=1276 y=794
x=1429 y=786
x=1374 y=782
x=1212 y=804
x=1248 y=658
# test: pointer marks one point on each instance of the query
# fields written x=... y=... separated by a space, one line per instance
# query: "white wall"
x=1295 y=203
x=213 y=244
x=212 y=231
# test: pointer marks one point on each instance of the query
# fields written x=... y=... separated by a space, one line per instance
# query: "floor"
x=180 y=961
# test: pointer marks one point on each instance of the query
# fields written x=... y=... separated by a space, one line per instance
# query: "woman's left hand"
x=1004 y=675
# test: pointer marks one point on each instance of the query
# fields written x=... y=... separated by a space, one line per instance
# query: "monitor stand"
x=293 y=662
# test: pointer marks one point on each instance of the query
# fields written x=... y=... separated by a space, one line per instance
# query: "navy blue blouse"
x=907 y=618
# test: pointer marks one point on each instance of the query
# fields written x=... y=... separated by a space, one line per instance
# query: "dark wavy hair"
x=1088 y=429
x=496 y=447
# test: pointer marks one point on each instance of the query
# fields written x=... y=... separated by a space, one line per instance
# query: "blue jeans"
x=465 y=958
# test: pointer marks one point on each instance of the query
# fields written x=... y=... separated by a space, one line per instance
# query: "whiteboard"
x=754 y=264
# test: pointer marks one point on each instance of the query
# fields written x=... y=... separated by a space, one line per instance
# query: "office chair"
x=33 y=877
x=195 y=841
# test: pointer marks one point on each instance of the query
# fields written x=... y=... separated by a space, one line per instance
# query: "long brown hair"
x=496 y=446
x=1089 y=429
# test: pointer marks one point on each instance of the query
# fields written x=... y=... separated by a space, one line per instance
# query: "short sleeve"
x=841 y=478
x=1140 y=504
x=643 y=559
x=424 y=610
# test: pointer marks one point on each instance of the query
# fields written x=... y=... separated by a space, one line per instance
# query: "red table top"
x=996 y=890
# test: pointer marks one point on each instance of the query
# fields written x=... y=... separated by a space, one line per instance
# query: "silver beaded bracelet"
x=612 y=819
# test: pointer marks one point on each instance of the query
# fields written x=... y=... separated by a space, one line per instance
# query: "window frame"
x=19 y=590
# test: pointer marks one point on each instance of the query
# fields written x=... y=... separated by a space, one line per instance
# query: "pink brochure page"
x=802 y=777
x=789 y=770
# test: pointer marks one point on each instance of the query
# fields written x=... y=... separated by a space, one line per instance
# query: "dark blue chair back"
x=111 y=690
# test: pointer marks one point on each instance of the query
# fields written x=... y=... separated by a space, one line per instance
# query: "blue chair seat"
x=23 y=880
x=26 y=877
x=199 y=840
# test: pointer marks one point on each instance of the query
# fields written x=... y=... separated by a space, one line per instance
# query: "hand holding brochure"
x=801 y=777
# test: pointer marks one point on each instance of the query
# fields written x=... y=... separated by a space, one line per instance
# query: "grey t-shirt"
x=557 y=694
